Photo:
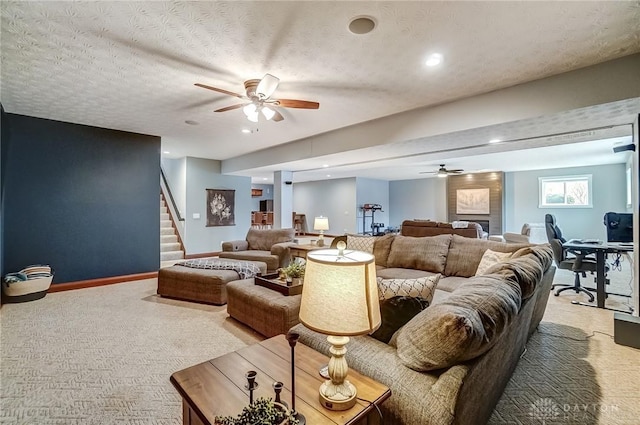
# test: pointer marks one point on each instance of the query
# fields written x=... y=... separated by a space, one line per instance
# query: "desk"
x=601 y=250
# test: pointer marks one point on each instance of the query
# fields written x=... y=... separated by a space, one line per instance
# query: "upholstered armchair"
x=268 y=245
x=534 y=233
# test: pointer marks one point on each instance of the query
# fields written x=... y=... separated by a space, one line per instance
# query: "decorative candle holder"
x=251 y=383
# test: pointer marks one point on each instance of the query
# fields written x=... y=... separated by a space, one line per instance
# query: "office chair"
x=579 y=264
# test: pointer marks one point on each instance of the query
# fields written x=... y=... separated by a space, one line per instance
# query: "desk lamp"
x=321 y=223
x=339 y=299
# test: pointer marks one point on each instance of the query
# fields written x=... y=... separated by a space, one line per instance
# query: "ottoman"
x=267 y=311
x=200 y=285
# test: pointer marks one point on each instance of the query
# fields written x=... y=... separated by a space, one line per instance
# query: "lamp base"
x=320 y=239
x=346 y=395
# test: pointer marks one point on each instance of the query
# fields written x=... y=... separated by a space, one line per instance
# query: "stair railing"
x=174 y=211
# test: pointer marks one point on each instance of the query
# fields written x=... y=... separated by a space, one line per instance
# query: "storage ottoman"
x=200 y=285
x=267 y=311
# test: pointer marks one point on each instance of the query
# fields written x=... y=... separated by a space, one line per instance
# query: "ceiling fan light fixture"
x=442 y=174
x=251 y=111
x=268 y=112
x=267 y=86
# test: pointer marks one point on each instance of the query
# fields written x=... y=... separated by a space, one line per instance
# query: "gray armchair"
x=268 y=245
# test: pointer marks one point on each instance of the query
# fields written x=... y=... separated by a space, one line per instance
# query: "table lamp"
x=321 y=223
x=339 y=299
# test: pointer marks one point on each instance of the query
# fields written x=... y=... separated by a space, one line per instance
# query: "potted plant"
x=294 y=273
x=264 y=411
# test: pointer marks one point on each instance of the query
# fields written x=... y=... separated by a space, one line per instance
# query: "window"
x=565 y=192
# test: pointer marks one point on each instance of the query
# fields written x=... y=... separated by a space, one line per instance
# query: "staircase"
x=170 y=247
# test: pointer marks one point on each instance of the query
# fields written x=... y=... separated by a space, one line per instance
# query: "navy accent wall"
x=85 y=200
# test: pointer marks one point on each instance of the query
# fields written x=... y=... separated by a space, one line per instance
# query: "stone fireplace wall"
x=494 y=181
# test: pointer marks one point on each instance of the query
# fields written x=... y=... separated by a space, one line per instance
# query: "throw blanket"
x=460 y=224
x=245 y=269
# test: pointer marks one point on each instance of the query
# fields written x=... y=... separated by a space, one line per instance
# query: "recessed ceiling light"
x=191 y=122
x=325 y=165
x=246 y=130
x=495 y=141
x=166 y=152
x=362 y=25
x=328 y=175
x=434 y=59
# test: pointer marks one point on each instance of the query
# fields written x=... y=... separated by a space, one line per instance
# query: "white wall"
x=335 y=199
x=609 y=194
x=420 y=198
x=372 y=191
x=202 y=174
x=175 y=170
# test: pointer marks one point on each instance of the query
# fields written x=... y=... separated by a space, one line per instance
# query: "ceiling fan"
x=258 y=99
x=443 y=172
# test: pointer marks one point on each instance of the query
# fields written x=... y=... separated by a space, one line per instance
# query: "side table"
x=301 y=251
x=216 y=387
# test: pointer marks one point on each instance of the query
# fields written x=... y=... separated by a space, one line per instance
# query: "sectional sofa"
x=451 y=362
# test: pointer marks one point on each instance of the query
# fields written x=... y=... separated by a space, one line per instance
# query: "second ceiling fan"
x=258 y=99
x=443 y=172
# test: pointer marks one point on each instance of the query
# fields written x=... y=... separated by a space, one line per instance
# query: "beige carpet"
x=104 y=356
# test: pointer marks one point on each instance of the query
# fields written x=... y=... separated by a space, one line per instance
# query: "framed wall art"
x=472 y=201
x=221 y=207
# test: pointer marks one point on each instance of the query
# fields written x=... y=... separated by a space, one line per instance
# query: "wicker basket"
x=27 y=290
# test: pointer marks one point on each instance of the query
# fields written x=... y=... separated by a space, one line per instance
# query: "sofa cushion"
x=451 y=283
x=465 y=254
x=399 y=273
x=489 y=258
x=525 y=268
x=381 y=249
x=271 y=260
x=395 y=313
x=461 y=327
x=421 y=253
x=361 y=243
x=423 y=287
x=264 y=239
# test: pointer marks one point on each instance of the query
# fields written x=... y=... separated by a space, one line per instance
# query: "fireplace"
x=483 y=223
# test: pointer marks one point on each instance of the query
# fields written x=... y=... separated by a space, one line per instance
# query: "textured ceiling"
x=132 y=65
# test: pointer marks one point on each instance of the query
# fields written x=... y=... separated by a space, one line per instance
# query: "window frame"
x=564 y=179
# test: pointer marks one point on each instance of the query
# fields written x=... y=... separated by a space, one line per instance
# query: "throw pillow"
x=461 y=327
x=489 y=258
x=423 y=287
x=360 y=243
x=395 y=313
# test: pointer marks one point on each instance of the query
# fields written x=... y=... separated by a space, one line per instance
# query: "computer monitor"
x=619 y=227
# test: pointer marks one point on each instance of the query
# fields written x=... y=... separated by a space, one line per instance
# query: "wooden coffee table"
x=216 y=387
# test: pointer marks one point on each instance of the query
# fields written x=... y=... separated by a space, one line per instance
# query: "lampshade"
x=321 y=223
x=251 y=111
x=340 y=293
x=267 y=112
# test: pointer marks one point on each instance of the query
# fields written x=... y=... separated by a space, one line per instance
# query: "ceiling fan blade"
x=230 y=108
x=277 y=117
x=204 y=86
x=457 y=171
x=428 y=172
x=267 y=86
x=294 y=103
